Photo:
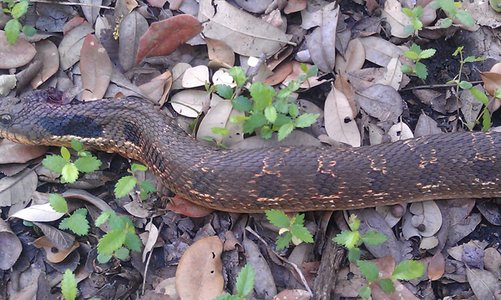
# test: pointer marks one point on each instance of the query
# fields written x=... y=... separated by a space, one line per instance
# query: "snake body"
x=298 y=178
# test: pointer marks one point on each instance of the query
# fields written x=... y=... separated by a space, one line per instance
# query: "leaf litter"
x=160 y=56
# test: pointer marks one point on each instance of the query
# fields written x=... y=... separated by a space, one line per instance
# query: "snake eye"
x=5 y=119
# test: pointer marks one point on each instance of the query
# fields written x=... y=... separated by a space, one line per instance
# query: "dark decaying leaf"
x=10 y=246
x=96 y=68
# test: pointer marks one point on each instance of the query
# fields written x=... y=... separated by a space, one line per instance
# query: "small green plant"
x=127 y=183
x=75 y=222
x=69 y=285
x=416 y=55
x=352 y=239
x=13 y=28
x=454 y=13
x=466 y=85
x=266 y=110
x=291 y=229
x=245 y=284
x=414 y=15
x=119 y=240
x=69 y=170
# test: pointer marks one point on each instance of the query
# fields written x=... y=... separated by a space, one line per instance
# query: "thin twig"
x=434 y=86
x=72 y=4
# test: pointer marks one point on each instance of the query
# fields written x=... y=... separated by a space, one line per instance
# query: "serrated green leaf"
x=373 y=237
x=284 y=240
x=421 y=70
x=69 y=173
x=58 y=203
x=418 y=11
x=406 y=69
x=69 y=285
x=19 y=9
x=65 y=153
x=349 y=239
x=387 y=285
x=77 y=145
x=29 y=30
x=122 y=253
x=465 y=18
x=312 y=71
x=407 y=270
x=486 y=119
x=285 y=130
x=133 y=242
x=77 y=223
x=12 y=30
x=224 y=91
x=103 y=217
x=103 y=258
x=54 y=163
x=281 y=121
x=301 y=233
x=293 y=110
x=479 y=95
x=242 y=104
x=497 y=93
x=354 y=222
x=368 y=269
x=306 y=120
x=135 y=167
x=111 y=241
x=266 y=132
x=253 y=122
x=147 y=186
x=447 y=6
x=220 y=131
x=245 y=280
x=427 y=53
x=365 y=292
x=270 y=113
x=354 y=254
x=87 y=164
x=227 y=296
x=238 y=75
x=278 y=218
x=117 y=222
x=444 y=23
x=298 y=219
x=465 y=85
x=415 y=48
x=262 y=94
x=124 y=186
x=470 y=59
x=411 y=55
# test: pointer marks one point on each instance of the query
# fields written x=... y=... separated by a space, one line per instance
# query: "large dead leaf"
x=47 y=54
x=16 y=55
x=353 y=58
x=18 y=188
x=91 y=10
x=71 y=44
x=381 y=101
x=220 y=54
x=158 y=88
x=52 y=253
x=96 y=68
x=199 y=273
x=484 y=284
x=10 y=247
x=340 y=119
x=380 y=51
x=190 y=103
x=264 y=284
x=163 y=37
x=184 y=207
x=396 y=18
x=17 y=153
x=322 y=41
x=38 y=213
x=219 y=116
x=133 y=26
x=244 y=33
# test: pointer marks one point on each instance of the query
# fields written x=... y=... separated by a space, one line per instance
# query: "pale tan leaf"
x=426 y=126
x=96 y=68
x=293 y=6
x=152 y=238
x=264 y=285
x=69 y=48
x=470 y=107
x=222 y=76
x=10 y=247
x=16 y=55
x=428 y=243
x=255 y=6
x=167 y=287
x=177 y=75
x=427 y=216
x=220 y=54
x=157 y=89
x=393 y=74
x=53 y=254
x=219 y=116
x=492 y=81
x=484 y=284
x=38 y=213
x=400 y=131
x=396 y=18
x=48 y=55
x=381 y=101
x=190 y=103
x=340 y=119
x=7 y=83
x=380 y=51
x=195 y=77
x=353 y=59
x=436 y=266
x=199 y=273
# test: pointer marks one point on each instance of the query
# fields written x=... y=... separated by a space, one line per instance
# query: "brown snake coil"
x=289 y=178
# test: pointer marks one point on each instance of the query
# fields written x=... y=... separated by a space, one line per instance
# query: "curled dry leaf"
x=164 y=37
x=322 y=41
x=59 y=239
x=96 y=67
x=195 y=77
x=293 y=6
x=48 y=55
x=38 y=213
x=52 y=253
x=199 y=273
x=340 y=119
x=483 y=283
x=71 y=44
x=279 y=74
x=152 y=238
x=10 y=247
x=132 y=27
x=382 y=102
x=220 y=54
x=190 y=103
x=158 y=88
x=16 y=55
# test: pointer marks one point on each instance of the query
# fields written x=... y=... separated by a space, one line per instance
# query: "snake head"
x=14 y=120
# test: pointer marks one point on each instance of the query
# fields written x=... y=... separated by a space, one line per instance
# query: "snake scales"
x=289 y=178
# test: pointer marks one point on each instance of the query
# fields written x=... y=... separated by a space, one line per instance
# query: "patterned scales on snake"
x=441 y=166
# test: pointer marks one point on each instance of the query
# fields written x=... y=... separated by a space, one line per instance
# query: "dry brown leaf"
x=10 y=247
x=219 y=116
x=96 y=68
x=158 y=88
x=292 y=294
x=400 y=131
x=255 y=6
x=16 y=191
x=297 y=71
x=190 y=103
x=393 y=14
x=353 y=59
x=470 y=107
x=132 y=27
x=491 y=212
x=195 y=77
x=244 y=33
x=264 y=285
x=184 y=207
x=167 y=287
x=220 y=54
x=484 y=284
x=59 y=239
x=293 y=6
x=393 y=75
x=71 y=44
x=426 y=126
x=52 y=253
x=380 y=51
x=199 y=273
x=152 y=238
x=482 y=13
x=382 y=102
x=17 y=153
x=340 y=119
x=322 y=41
x=426 y=217
x=48 y=55
x=16 y=55
x=492 y=261
x=279 y=74
x=436 y=266
x=91 y=10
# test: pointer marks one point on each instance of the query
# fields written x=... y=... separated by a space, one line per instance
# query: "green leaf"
x=285 y=130
x=147 y=186
x=306 y=120
x=497 y=93
x=486 y=119
x=406 y=69
x=293 y=110
x=227 y=296
x=266 y=132
x=427 y=53
x=103 y=217
x=69 y=173
x=300 y=232
x=253 y=122
x=312 y=71
x=262 y=95
x=354 y=222
x=69 y=285
x=387 y=285
x=284 y=240
x=12 y=29
x=133 y=242
x=77 y=223
x=479 y=95
x=122 y=253
x=270 y=113
x=224 y=91
x=58 y=203
x=354 y=254
x=87 y=164
x=365 y=292
x=470 y=59
x=220 y=131
x=19 y=9
x=281 y=121
x=408 y=12
x=418 y=11
x=138 y=167
x=54 y=163
x=117 y=222
x=65 y=153
x=245 y=280
x=368 y=269
x=242 y=104
x=444 y=23
x=411 y=55
x=465 y=85
x=104 y=258
x=465 y=18
x=421 y=70
x=238 y=75
x=77 y=145
x=111 y=241
x=124 y=186
x=349 y=239
x=448 y=6
x=278 y=218
x=373 y=237
x=29 y=30
x=407 y=270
